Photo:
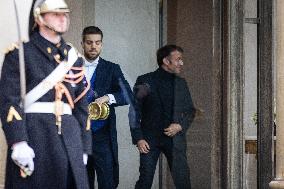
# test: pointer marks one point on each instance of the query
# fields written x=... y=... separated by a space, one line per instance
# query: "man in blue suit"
x=108 y=85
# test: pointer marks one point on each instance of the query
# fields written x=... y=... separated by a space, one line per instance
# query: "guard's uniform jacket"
x=56 y=155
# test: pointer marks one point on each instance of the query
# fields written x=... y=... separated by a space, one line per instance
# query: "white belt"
x=47 y=107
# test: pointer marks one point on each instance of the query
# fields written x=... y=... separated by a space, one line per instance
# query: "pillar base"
x=277 y=184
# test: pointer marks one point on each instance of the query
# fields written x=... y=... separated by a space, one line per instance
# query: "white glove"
x=85 y=158
x=23 y=155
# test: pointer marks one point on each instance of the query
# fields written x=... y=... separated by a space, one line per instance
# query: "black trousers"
x=101 y=162
x=177 y=162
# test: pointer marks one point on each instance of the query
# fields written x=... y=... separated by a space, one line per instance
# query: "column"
x=278 y=181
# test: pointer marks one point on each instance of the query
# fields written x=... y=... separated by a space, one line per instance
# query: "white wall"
x=130 y=39
x=3 y=149
x=130 y=30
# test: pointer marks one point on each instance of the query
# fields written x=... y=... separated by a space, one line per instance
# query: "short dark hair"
x=166 y=51
x=91 y=30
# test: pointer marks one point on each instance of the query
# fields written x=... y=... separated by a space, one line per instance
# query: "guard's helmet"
x=45 y=6
x=40 y=7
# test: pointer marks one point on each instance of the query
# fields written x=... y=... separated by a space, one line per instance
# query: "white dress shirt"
x=90 y=68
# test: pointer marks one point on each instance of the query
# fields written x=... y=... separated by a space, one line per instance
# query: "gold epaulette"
x=12 y=47
x=71 y=45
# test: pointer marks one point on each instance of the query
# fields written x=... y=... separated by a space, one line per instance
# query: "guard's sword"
x=24 y=171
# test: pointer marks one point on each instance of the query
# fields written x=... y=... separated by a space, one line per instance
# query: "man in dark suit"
x=46 y=133
x=160 y=118
x=108 y=85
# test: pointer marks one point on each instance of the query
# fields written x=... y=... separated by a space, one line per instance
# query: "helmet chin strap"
x=50 y=27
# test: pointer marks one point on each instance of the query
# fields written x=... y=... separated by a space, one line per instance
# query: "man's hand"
x=23 y=155
x=173 y=129
x=143 y=146
x=103 y=99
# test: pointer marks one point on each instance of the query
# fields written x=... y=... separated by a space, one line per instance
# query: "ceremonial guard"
x=47 y=133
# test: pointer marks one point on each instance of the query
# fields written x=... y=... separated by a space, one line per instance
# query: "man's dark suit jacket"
x=110 y=80
x=146 y=118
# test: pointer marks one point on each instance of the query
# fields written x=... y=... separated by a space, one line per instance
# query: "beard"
x=91 y=57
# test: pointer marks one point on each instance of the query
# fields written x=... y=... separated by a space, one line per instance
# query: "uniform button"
x=48 y=50
x=57 y=56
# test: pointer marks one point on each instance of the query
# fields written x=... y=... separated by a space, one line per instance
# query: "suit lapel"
x=100 y=72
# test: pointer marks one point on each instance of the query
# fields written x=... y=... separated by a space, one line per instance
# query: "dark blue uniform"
x=58 y=158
